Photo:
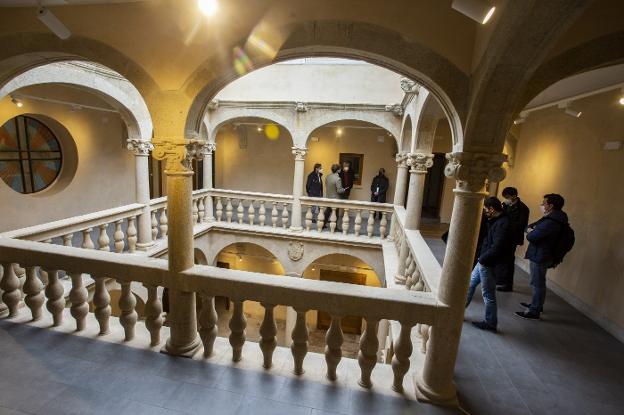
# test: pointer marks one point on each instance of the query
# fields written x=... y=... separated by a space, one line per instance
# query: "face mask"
x=345 y=169
x=507 y=202
x=320 y=170
x=543 y=208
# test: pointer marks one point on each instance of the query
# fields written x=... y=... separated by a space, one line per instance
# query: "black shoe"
x=527 y=315
x=527 y=305
x=313 y=220
x=484 y=326
x=504 y=288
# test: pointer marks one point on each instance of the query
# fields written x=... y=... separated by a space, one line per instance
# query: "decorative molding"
x=396 y=109
x=419 y=162
x=401 y=159
x=213 y=105
x=408 y=86
x=295 y=250
x=208 y=148
x=139 y=147
x=472 y=169
x=299 y=152
x=178 y=154
x=301 y=107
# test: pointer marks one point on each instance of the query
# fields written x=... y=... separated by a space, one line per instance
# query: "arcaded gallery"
x=312 y=207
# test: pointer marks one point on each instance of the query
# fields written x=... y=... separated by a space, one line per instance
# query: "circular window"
x=30 y=155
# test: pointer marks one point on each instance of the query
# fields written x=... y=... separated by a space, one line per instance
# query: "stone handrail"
x=347 y=204
x=244 y=195
x=338 y=299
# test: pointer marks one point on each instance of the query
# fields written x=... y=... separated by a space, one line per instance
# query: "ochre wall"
x=105 y=171
x=561 y=154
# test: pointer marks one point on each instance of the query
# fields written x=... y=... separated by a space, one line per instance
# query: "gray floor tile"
x=197 y=399
x=316 y=395
x=251 y=382
x=260 y=406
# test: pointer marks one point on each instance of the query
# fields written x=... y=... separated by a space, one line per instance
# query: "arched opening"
x=406 y=135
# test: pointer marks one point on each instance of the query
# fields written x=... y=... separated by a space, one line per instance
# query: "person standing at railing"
x=497 y=243
x=314 y=187
x=379 y=188
x=347 y=177
x=334 y=190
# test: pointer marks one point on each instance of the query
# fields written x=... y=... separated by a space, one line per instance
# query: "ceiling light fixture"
x=522 y=118
x=480 y=11
x=259 y=129
x=621 y=100
x=53 y=23
x=208 y=7
x=571 y=112
x=339 y=131
x=17 y=102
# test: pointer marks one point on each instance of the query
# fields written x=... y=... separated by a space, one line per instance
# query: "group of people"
x=504 y=226
x=338 y=185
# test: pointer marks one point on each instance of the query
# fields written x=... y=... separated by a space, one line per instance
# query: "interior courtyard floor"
x=564 y=364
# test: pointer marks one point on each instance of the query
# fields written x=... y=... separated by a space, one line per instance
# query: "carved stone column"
x=419 y=163
x=178 y=155
x=401 y=180
x=141 y=149
x=470 y=170
x=295 y=217
x=207 y=151
x=291 y=314
x=4 y=310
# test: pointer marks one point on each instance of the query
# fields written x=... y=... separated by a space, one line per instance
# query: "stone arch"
x=344 y=39
x=385 y=120
x=406 y=135
x=220 y=244
x=430 y=114
x=379 y=272
x=122 y=96
x=227 y=115
x=199 y=258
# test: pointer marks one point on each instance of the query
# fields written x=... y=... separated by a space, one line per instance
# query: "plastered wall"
x=561 y=154
x=105 y=168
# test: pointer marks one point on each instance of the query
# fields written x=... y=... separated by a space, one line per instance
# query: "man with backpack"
x=550 y=238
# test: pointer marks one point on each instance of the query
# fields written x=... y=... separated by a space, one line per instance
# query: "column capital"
x=401 y=159
x=208 y=148
x=419 y=162
x=139 y=147
x=299 y=152
x=472 y=169
x=178 y=154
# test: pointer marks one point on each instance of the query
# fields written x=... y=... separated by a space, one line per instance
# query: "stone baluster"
x=268 y=332
x=320 y=220
x=285 y=216
x=228 y=211
x=87 y=242
x=201 y=212
x=332 y=220
x=208 y=209
x=308 y=218
x=56 y=298
x=127 y=305
x=103 y=239
x=78 y=296
x=132 y=235
x=153 y=314
x=333 y=348
x=219 y=209
x=358 y=222
x=10 y=286
x=208 y=153
x=299 y=346
x=101 y=301
x=367 y=357
x=401 y=361
x=345 y=222
x=371 y=223
x=195 y=211
x=67 y=239
x=251 y=213
x=208 y=324
x=237 y=330
x=262 y=213
x=274 y=215
x=240 y=210
x=33 y=288
x=383 y=225
x=119 y=236
x=423 y=329
x=154 y=226
x=164 y=223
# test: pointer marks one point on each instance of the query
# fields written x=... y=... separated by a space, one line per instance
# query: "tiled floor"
x=564 y=364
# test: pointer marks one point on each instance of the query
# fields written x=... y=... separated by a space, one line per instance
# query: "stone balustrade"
x=407 y=308
x=252 y=208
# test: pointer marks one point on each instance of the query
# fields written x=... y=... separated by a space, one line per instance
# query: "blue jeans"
x=487 y=277
x=538 y=284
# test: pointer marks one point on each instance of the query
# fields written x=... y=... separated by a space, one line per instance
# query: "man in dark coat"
x=379 y=188
x=314 y=187
x=346 y=178
x=495 y=246
x=543 y=236
x=518 y=214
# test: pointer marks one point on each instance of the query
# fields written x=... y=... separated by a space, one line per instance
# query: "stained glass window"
x=30 y=155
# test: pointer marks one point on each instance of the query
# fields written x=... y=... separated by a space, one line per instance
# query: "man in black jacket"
x=496 y=244
x=518 y=214
x=314 y=187
x=379 y=188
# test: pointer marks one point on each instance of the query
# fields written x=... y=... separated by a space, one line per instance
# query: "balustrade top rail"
x=339 y=299
x=74 y=224
x=347 y=204
x=244 y=195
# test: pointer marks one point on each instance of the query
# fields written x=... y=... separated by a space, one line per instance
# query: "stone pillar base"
x=426 y=395
x=296 y=229
x=145 y=246
x=187 y=351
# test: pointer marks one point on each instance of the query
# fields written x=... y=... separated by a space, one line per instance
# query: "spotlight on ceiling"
x=478 y=10
x=17 y=102
x=338 y=131
x=621 y=100
x=53 y=23
x=522 y=118
x=571 y=112
x=208 y=7
x=259 y=128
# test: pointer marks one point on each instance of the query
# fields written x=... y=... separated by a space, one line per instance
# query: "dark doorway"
x=434 y=186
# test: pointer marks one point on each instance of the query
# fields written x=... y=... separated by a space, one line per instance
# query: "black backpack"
x=564 y=243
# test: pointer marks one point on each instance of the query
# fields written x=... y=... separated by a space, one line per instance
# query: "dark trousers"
x=505 y=270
